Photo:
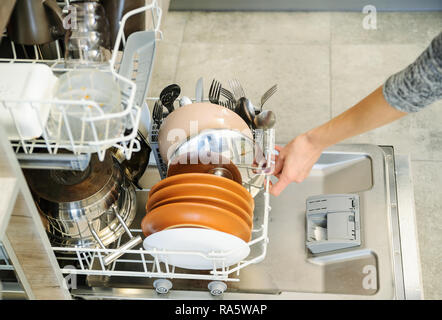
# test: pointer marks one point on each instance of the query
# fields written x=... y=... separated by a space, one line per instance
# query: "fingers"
x=279 y=161
x=278 y=148
x=279 y=186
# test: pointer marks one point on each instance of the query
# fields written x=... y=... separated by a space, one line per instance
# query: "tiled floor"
x=323 y=64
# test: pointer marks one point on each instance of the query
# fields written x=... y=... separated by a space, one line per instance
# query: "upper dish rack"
x=44 y=151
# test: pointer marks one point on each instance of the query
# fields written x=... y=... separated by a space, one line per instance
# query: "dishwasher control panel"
x=333 y=222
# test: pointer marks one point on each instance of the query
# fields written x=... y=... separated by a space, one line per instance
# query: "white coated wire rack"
x=5 y=264
x=98 y=123
x=151 y=264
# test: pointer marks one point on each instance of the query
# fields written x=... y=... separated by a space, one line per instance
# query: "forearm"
x=370 y=113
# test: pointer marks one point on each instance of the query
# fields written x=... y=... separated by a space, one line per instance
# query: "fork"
x=229 y=104
x=227 y=94
x=157 y=113
x=214 y=91
x=267 y=95
x=238 y=90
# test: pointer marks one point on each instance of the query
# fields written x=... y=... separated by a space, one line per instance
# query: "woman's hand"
x=294 y=162
x=296 y=159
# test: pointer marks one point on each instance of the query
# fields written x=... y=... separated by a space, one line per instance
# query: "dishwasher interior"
x=375 y=269
x=291 y=257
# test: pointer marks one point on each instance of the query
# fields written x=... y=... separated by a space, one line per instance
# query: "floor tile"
x=301 y=72
x=392 y=27
x=258 y=27
x=427 y=179
x=164 y=68
x=359 y=69
x=173 y=26
x=316 y=81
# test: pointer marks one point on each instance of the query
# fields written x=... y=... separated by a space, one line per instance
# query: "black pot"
x=116 y=9
x=35 y=22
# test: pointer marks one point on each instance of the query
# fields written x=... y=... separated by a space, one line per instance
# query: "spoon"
x=245 y=110
x=264 y=120
x=169 y=95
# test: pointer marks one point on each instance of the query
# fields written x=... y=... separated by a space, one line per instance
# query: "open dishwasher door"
x=385 y=265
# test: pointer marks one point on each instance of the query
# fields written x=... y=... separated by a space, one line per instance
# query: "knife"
x=199 y=93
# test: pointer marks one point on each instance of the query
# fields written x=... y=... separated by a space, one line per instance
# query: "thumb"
x=279 y=186
x=278 y=148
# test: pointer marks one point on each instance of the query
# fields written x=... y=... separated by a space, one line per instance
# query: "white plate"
x=198 y=240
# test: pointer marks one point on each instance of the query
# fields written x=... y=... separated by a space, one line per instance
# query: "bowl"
x=198 y=189
x=86 y=124
x=204 y=178
x=195 y=215
x=223 y=204
x=191 y=119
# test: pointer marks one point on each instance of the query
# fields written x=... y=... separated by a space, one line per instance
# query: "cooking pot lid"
x=69 y=186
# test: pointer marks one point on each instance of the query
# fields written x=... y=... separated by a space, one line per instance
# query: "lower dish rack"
x=152 y=266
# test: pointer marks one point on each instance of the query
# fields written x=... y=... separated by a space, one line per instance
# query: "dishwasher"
x=384 y=265
x=347 y=232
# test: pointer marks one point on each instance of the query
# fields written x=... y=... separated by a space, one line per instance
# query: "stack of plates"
x=201 y=213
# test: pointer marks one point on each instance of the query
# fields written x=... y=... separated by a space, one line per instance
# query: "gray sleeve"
x=420 y=84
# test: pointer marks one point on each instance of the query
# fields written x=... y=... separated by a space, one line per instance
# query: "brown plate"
x=198 y=189
x=204 y=178
x=195 y=214
x=210 y=201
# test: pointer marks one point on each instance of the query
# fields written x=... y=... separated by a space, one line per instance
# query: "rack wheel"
x=217 y=288
x=162 y=286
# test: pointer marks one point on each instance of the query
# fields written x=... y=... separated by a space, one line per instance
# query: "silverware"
x=228 y=104
x=245 y=110
x=267 y=95
x=264 y=120
x=157 y=113
x=199 y=93
x=169 y=95
x=238 y=90
x=227 y=94
x=215 y=92
x=135 y=167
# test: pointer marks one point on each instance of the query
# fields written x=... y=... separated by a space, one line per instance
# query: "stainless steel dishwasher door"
x=374 y=270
